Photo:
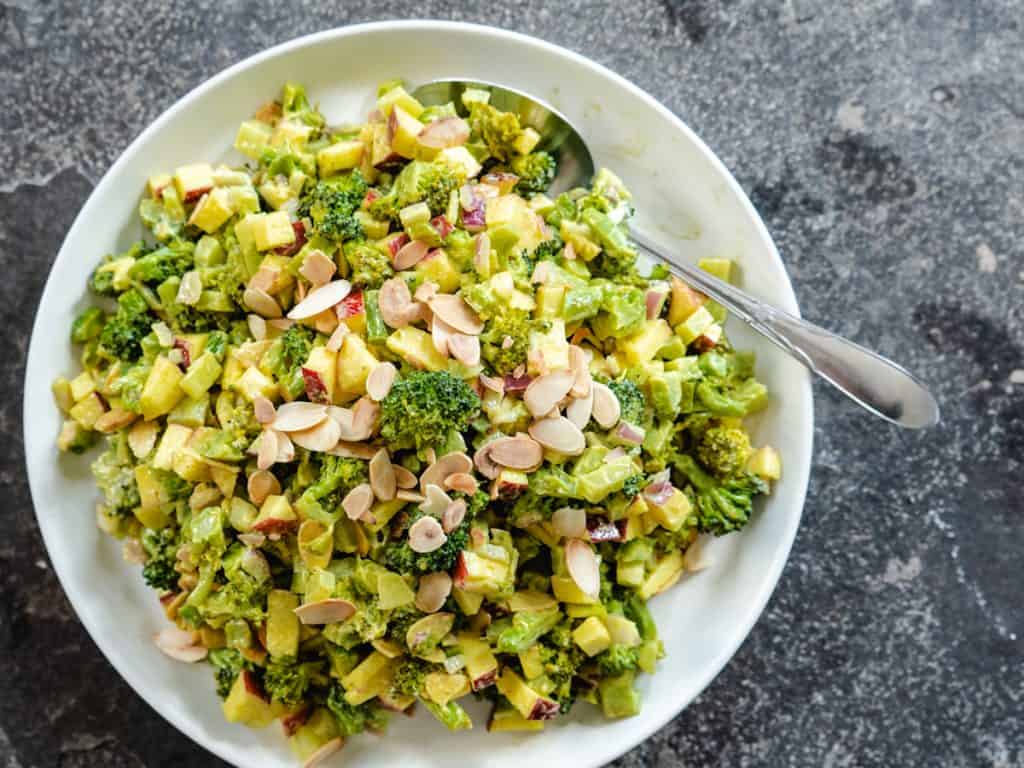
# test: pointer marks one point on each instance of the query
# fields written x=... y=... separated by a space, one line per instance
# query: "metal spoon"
x=870 y=380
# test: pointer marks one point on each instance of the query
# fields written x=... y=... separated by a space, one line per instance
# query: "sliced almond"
x=337 y=337
x=285 y=448
x=382 y=476
x=380 y=380
x=318 y=268
x=280 y=323
x=394 y=300
x=299 y=415
x=323 y=437
x=484 y=464
x=520 y=452
x=266 y=454
x=463 y=482
x=606 y=406
x=410 y=496
x=493 y=383
x=403 y=477
x=113 y=420
x=328 y=611
x=261 y=484
x=358 y=501
x=132 y=552
x=261 y=302
x=264 y=409
x=546 y=392
x=426 y=535
x=190 y=288
x=580 y=366
x=448 y=464
x=164 y=334
x=465 y=349
x=252 y=540
x=364 y=418
x=441 y=334
x=142 y=438
x=425 y=292
x=435 y=501
x=264 y=279
x=180 y=645
x=570 y=522
x=410 y=254
x=434 y=589
x=456 y=313
x=583 y=567
x=696 y=556
x=326 y=750
x=560 y=435
x=320 y=299
x=453 y=515
x=579 y=410
x=352 y=450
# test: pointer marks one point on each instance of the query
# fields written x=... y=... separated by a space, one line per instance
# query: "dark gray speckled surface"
x=883 y=142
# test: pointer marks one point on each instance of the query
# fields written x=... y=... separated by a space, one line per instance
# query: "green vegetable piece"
x=201 y=375
x=87 y=325
x=618 y=696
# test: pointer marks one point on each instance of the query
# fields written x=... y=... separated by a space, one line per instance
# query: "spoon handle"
x=873 y=382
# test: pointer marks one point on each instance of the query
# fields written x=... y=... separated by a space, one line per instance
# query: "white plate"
x=685 y=197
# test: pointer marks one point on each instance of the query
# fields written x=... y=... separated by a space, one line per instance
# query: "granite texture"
x=881 y=140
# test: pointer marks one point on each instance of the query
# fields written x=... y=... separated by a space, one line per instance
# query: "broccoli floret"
x=227 y=664
x=87 y=326
x=560 y=666
x=726 y=400
x=505 y=340
x=123 y=333
x=425 y=408
x=286 y=356
x=385 y=207
x=631 y=400
x=536 y=171
x=353 y=719
x=400 y=621
x=547 y=250
x=633 y=485
x=498 y=130
x=295 y=104
x=618 y=659
x=399 y=556
x=722 y=506
x=724 y=450
x=171 y=260
x=408 y=677
x=161 y=549
x=335 y=477
x=286 y=680
x=369 y=264
x=226 y=278
x=115 y=475
x=332 y=206
x=435 y=186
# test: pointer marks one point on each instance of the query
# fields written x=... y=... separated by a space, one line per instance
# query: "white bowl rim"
x=645 y=728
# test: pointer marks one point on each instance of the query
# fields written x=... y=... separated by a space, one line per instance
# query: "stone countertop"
x=882 y=142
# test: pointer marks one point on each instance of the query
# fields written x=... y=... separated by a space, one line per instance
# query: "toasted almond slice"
x=358 y=501
x=352 y=450
x=444 y=132
x=580 y=367
x=541 y=273
x=570 y=522
x=493 y=383
x=696 y=556
x=132 y=552
x=546 y=392
x=606 y=406
x=264 y=409
x=378 y=383
x=285 y=448
x=263 y=280
x=364 y=418
x=266 y=454
x=465 y=349
x=447 y=465
x=328 y=611
x=403 y=477
x=113 y=420
x=320 y=299
x=430 y=454
x=393 y=300
x=299 y=415
x=261 y=302
x=410 y=496
x=456 y=313
x=433 y=590
x=322 y=437
x=463 y=482
x=190 y=288
x=560 y=435
x=257 y=327
x=484 y=463
x=453 y=515
x=164 y=334
x=318 y=268
x=582 y=565
x=326 y=750
x=252 y=540
x=425 y=292
x=410 y=254
x=382 y=476
x=280 y=323
x=441 y=334
x=142 y=438
x=179 y=645
x=426 y=535
x=579 y=410
x=521 y=452
x=261 y=484
x=337 y=337
x=416 y=313
x=436 y=501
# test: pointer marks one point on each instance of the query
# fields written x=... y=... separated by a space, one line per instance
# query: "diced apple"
x=622 y=630
x=162 y=389
x=643 y=346
x=416 y=347
x=673 y=512
x=173 y=440
x=276 y=516
x=765 y=463
x=481 y=664
x=252 y=138
x=341 y=156
x=156 y=183
x=684 y=302
x=381 y=154
x=441 y=687
x=213 y=209
x=592 y=636
x=254 y=383
x=86 y=412
x=271 y=230
x=460 y=160
x=355 y=361
x=403 y=129
x=282 y=623
x=665 y=574
x=319 y=372
x=247 y=703
x=370 y=678
x=530 y=704
x=509 y=719
x=193 y=181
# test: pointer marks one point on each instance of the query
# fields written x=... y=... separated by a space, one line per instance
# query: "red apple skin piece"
x=252 y=685
x=300 y=240
x=441 y=225
x=485 y=681
x=292 y=721
x=315 y=389
x=195 y=194
x=396 y=243
x=186 y=354
x=460 y=573
x=544 y=709
x=273 y=525
x=351 y=305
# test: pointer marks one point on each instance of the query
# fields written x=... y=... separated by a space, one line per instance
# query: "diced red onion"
x=659 y=493
x=517 y=383
x=630 y=434
x=602 y=529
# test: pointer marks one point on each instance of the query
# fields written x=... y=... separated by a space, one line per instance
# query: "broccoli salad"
x=385 y=424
